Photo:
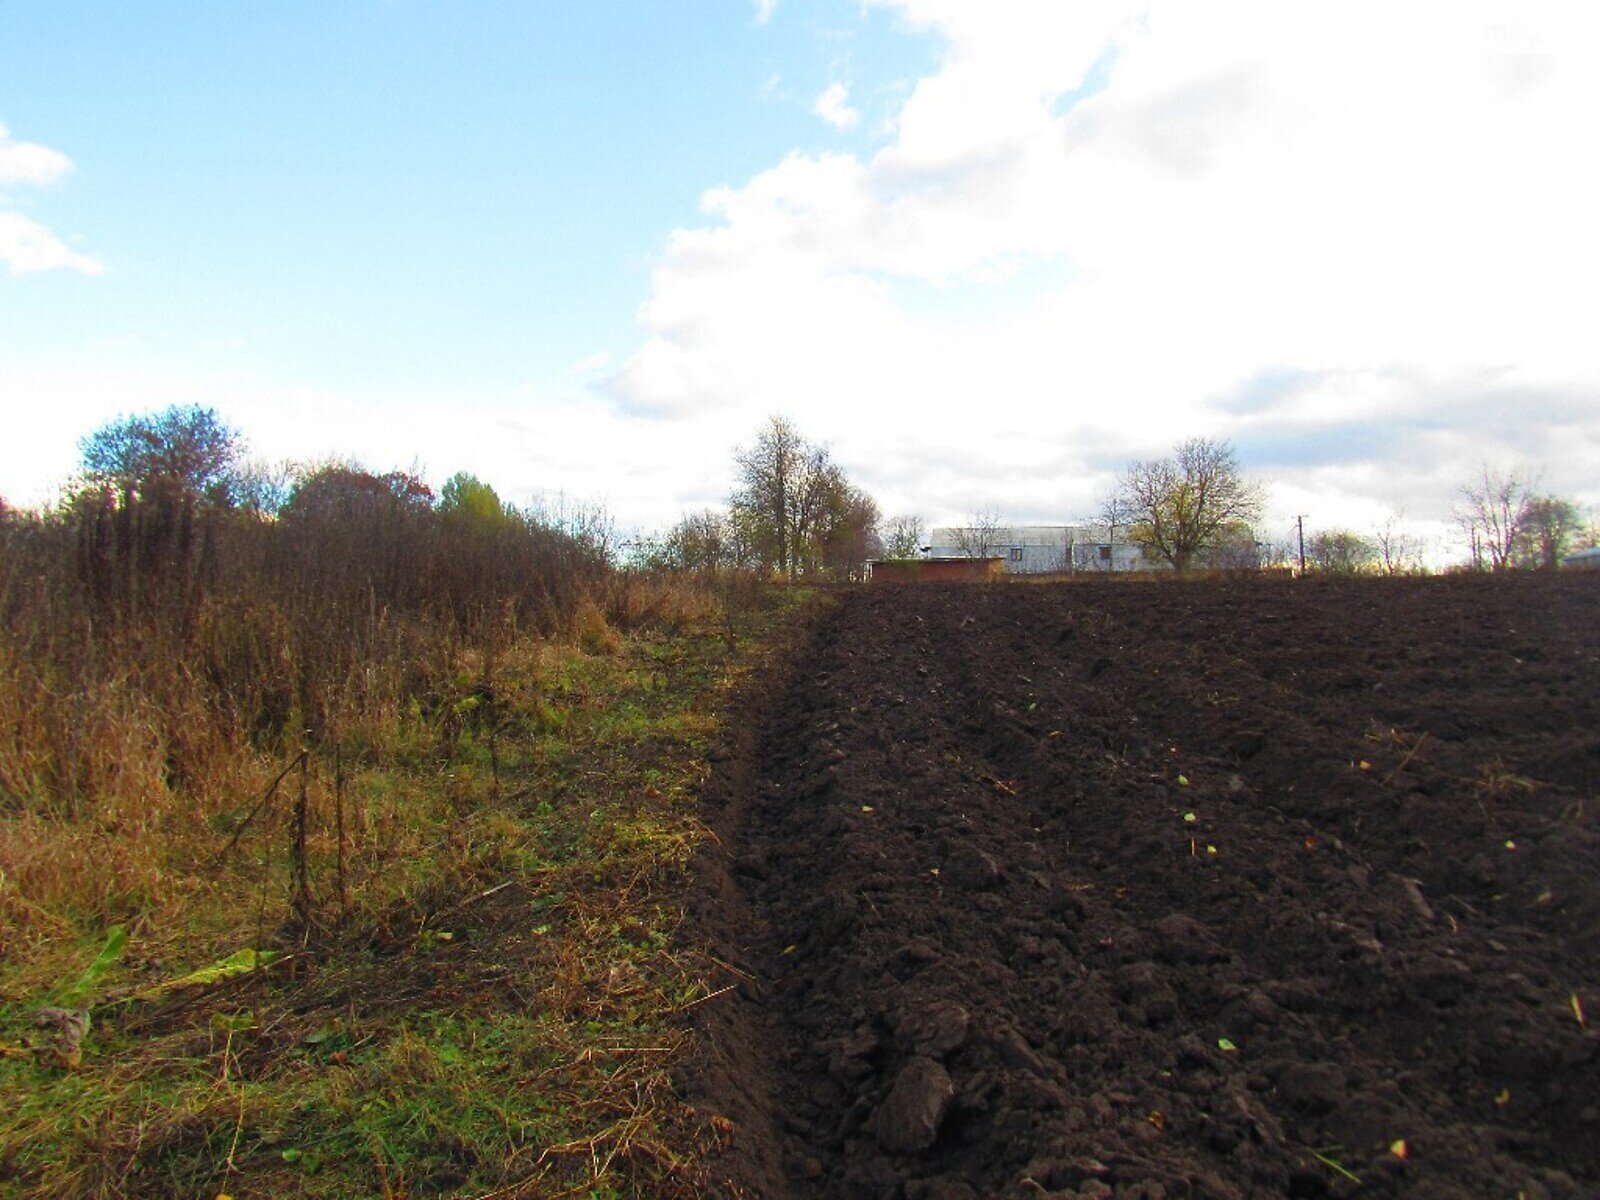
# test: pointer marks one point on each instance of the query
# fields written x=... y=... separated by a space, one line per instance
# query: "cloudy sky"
x=987 y=252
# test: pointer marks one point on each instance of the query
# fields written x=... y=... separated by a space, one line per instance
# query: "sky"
x=988 y=253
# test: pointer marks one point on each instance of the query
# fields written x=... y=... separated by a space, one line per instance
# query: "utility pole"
x=1300 y=526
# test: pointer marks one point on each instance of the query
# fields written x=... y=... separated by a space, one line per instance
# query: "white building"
x=1037 y=549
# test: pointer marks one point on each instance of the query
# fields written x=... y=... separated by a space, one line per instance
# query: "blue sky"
x=396 y=196
x=987 y=252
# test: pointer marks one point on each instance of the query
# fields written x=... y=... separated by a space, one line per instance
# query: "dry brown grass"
x=351 y=783
x=592 y=631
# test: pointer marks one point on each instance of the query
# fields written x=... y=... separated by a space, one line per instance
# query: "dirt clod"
x=908 y=1121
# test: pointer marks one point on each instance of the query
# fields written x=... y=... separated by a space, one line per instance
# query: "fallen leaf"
x=1398 y=1148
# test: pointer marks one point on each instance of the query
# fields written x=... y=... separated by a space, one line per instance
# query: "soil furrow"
x=1156 y=891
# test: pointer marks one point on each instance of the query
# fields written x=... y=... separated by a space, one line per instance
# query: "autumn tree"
x=792 y=501
x=185 y=449
x=1184 y=505
x=1547 y=531
x=776 y=476
x=154 y=493
x=342 y=492
x=466 y=497
x=848 y=535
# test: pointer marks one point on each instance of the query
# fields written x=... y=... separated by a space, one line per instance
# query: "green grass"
x=493 y=1009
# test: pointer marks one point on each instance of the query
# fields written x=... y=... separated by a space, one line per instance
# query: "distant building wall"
x=1041 y=549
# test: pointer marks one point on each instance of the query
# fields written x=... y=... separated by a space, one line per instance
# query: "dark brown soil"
x=1148 y=890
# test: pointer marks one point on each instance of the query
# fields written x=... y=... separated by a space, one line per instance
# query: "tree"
x=1234 y=548
x=263 y=488
x=468 y=498
x=185 y=448
x=1184 y=505
x=903 y=537
x=849 y=533
x=339 y=492
x=1114 y=515
x=980 y=536
x=1490 y=512
x=784 y=486
x=1340 y=552
x=774 y=476
x=1398 y=550
x=1547 y=531
x=1588 y=537
x=700 y=541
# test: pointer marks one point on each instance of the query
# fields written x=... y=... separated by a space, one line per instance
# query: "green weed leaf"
x=116 y=943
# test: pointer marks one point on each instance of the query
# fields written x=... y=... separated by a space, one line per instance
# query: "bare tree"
x=1114 y=515
x=980 y=537
x=903 y=537
x=1185 y=504
x=1398 y=550
x=1491 y=511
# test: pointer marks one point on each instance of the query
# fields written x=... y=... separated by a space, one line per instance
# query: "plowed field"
x=1149 y=890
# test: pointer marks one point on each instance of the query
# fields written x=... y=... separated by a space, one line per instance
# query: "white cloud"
x=591 y=363
x=764 y=10
x=1035 y=279
x=27 y=246
x=833 y=106
x=527 y=443
x=27 y=162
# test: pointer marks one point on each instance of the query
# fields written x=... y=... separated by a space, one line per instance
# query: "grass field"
x=435 y=957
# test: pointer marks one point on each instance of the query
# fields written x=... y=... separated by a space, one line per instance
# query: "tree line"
x=167 y=512
x=793 y=513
